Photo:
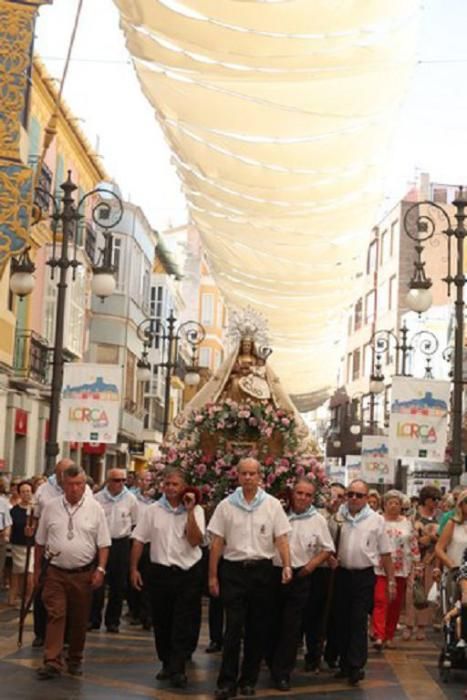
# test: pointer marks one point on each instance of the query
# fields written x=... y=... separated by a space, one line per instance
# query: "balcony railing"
x=31 y=356
x=45 y=186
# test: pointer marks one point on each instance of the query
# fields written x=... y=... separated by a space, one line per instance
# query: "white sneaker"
x=461 y=644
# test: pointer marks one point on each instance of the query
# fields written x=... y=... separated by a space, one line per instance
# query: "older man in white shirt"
x=247 y=528
x=363 y=543
x=174 y=527
x=310 y=546
x=121 y=511
x=73 y=534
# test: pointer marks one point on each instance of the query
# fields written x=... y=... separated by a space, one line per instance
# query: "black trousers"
x=175 y=600
x=39 y=616
x=116 y=580
x=139 y=603
x=313 y=618
x=354 y=595
x=247 y=597
x=287 y=621
x=216 y=620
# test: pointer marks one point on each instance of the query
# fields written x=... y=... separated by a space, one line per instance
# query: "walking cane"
x=26 y=606
x=329 y=597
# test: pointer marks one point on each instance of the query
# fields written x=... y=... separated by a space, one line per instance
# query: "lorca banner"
x=91 y=400
x=377 y=467
x=418 y=424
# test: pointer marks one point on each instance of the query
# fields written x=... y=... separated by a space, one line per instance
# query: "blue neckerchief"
x=364 y=513
x=309 y=513
x=53 y=482
x=163 y=502
x=118 y=497
x=238 y=499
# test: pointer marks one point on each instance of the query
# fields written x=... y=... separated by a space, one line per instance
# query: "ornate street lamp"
x=190 y=333
x=66 y=218
x=423 y=341
x=421 y=226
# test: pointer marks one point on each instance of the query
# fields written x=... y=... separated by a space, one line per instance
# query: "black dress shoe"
x=75 y=669
x=356 y=675
x=178 y=680
x=341 y=673
x=247 y=690
x=225 y=693
x=163 y=674
x=47 y=672
x=311 y=665
x=283 y=684
x=213 y=647
x=37 y=642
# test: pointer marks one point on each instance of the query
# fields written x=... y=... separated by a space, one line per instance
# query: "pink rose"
x=199 y=419
x=252 y=421
x=285 y=421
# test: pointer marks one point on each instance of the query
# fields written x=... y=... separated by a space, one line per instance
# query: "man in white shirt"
x=310 y=545
x=247 y=528
x=139 y=604
x=174 y=527
x=363 y=542
x=121 y=512
x=50 y=489
x=72 y=533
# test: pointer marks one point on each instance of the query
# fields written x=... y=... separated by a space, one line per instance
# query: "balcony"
x=45 y=185
x=31 y=360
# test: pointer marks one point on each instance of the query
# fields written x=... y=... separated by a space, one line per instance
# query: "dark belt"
x=78 y=570
x=249 y=563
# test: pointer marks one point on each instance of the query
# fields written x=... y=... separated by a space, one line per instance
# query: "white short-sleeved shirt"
x=166 y=533
x=142 y=504
x=5 y=517
x=249 y=534
x=121 y=515
x=309 y=537
x=362 y=544
x=89 y=528
x=47 y=492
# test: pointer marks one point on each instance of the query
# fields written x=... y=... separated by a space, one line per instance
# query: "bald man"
x=121 y=511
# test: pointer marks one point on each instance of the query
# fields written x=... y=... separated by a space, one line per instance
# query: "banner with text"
x=418 y=422
x=377 y=467
x=91 y=401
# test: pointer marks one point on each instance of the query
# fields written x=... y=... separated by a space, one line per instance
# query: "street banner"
x=353 y=465
x=377 y=467
x=91 y=401
x=418 y=421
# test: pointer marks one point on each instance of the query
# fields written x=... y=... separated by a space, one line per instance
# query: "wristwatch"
x=101 y=569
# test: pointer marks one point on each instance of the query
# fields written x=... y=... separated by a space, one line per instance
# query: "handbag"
x=420 y=601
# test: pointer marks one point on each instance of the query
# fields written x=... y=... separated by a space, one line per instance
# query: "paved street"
x=122 y=668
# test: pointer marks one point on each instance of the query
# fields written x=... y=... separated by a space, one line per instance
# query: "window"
x=205 y=357
x=107 y=354
x=207 y=309
x=146 y=284
x=372 y=258
x=136 y=274
x=117 y=261
x=217 y=359
x=392 y=292
x=392 y=243
x=384 y=247
x=370 y=306
x=220 y=314
x=75 y=331
x=356 y=364
x=349 y=367
x=367 y=359
x=358 y=313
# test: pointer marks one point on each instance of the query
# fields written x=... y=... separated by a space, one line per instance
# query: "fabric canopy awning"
x=279 y=114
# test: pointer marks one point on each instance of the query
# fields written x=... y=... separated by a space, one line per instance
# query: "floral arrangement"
x=216 y=436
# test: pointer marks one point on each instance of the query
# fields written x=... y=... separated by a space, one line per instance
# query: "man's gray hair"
x=74 y=471
x=243 y=460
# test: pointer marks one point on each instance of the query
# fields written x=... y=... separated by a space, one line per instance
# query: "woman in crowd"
x=374 y=500
x=453 y=539
x=426 y=525
x=405 y=555
x=21 y=530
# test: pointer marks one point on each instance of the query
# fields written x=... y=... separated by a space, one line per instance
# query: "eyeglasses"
x=355 y=494
x=118 y=480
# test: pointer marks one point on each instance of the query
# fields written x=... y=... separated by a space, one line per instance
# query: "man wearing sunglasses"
x=363 y=544
x=121 y=511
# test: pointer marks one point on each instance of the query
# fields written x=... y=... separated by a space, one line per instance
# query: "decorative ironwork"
x=31 y=360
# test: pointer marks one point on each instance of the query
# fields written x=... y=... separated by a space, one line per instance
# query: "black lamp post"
x=66 y=217
x=422 y=221
x=191 y=333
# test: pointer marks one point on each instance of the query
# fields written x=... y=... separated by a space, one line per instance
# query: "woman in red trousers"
x=405 y=555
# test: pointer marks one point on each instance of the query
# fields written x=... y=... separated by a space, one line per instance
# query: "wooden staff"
x=26 y=606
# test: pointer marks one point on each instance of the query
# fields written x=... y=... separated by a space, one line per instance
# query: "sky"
x=102 y=90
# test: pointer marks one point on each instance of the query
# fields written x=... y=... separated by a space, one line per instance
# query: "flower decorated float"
x=242 y=411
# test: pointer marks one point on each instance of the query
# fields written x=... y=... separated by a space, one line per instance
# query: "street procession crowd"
x=332 y=578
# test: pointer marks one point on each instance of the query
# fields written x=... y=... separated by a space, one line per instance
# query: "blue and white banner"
x=91 y=401
x=377 y=467
x=418 y=422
